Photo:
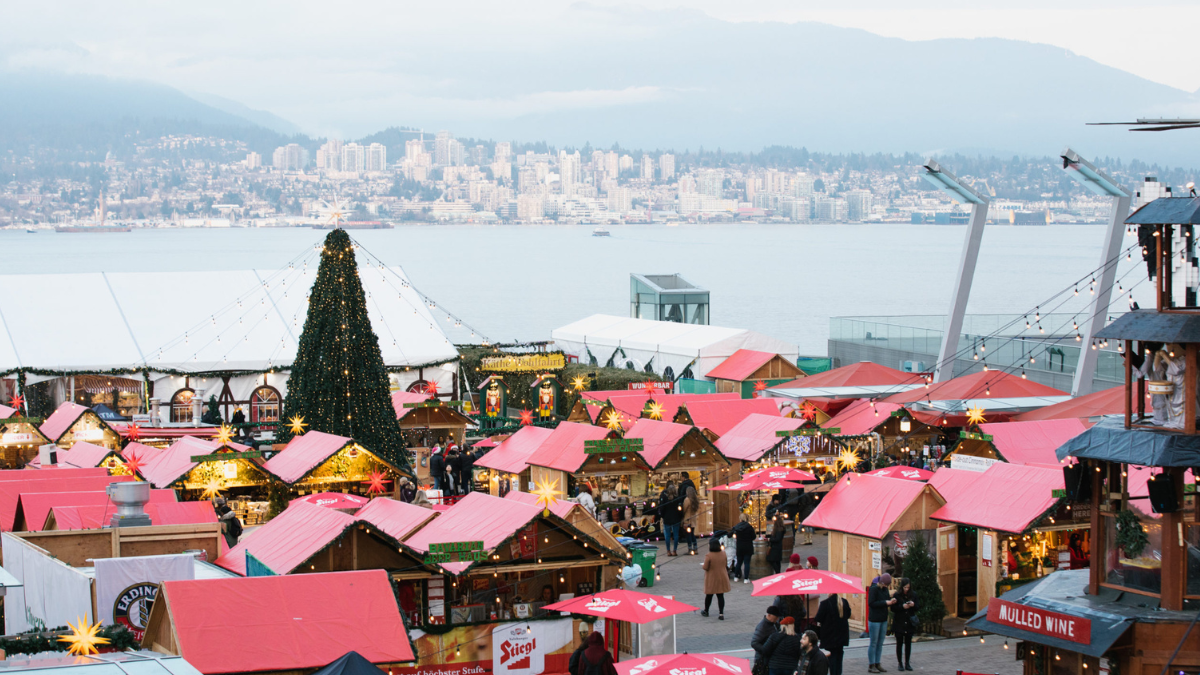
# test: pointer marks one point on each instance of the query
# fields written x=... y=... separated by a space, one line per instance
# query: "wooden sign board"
x=970 y=435
x=434 y=404
x=456 y=551
x=612 y=446
x=227 y=456
x=808 y=432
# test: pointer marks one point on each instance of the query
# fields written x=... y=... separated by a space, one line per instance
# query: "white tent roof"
x=195 y=321
x=668 y=343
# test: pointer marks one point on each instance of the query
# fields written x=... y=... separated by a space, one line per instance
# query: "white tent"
x=661 y=344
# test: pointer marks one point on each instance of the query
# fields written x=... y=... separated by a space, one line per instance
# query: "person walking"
x=454 y=468
x=793 y=606
x=775 y=544
x=437 y=469
x=879 y=599
x=816 y=663
x=716 y=578
x=743 y=534
x=767 y=626
x=670 y=510
x=904 y=623
x=691 y=511
x=595 y=659
x=833 y=626
x=783 y=649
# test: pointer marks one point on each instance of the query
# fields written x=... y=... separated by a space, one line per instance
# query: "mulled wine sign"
x=1040 y=621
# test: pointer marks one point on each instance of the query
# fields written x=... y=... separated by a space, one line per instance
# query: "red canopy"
x=977 y=385
x=740 y=365
x=903 y=472
x=1103 y=402
x=1032 y=442
x=952 y=484
x=511 y=455
x=861 y=374
x=805 y=582
x=333 y=500
x=563 y=448
x=759 y=483
x=755 y=435
x=486 y=443
x=721 y=416
x=685 y=664
x=861 y=417
x=619 y=604
x=865 y=505
x=1005 y=498
x=780 y=473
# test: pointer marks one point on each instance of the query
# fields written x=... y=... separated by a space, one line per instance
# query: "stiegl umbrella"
x=780 y=473
x=619 y=604
x=685 y=664
x=334 y=500
x=758 y=484
x=808 y=582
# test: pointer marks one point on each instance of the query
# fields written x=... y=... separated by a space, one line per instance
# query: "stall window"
x=264 y=405
x=181 y=406
x=1143 y=573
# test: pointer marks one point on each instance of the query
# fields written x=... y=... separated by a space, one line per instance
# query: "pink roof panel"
x=476 y=517
x=303 y=454
x=560 y=508
x=399 y=398
x=288 y=539
x=861 y=374
x=1032 y=442
x=164 y=467
x=976 y=385
x=740 y=365
x=953 y=483
x=563 y=449
x=82 y=455
x=1006 y=498
x=842 y=508
x=861 y=417
x=61 y=419
x=45 y=481
x=1105 y=402
x=721 y=416
x=658 y=438
x=16 y=475
x=752 y=437
x=33 y=507
x=512 y=455
x=164 y=513
x=394 y=518
x=6 y=412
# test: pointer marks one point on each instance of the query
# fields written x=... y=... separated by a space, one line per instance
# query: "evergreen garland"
x=1131 y=536
x=338 y=382
x=38 y=641
x=921 y=570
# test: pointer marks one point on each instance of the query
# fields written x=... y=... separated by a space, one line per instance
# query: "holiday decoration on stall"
x=847 y=460
x=338 y=381
x=133 y=464
x=808 y=411
x=920 y=567
x=759 y=387
x=296 y=424
x=578 y=384
x=1131 y=536
x=654 y=410
x=430 y=388
x=224 y=435
x=212 y=489
x=547 y=494
x=546 y=388
x=526 y=417
x=133 y=432
x=495 y=397
x=375 y=483
x=17 y=401
x=612 y=420
x=84 y=637
x=975 y=415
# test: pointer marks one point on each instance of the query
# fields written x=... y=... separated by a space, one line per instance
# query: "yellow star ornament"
x=847 y=460
x=578 y=384
x=546 y=492
x=297 y=424
x=655 y=409
x=975 y=415
x=83 y=638
x=225 y=435
x=612 y=420
x=212 y=489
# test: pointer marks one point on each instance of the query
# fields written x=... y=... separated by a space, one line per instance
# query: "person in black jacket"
x=879 y=599
x=670 y=510
x=783 y=649
x=744 y=534
x=815 y=660
x=775 y=547
x=833 y=626
x=437 y=469
x=904 y=613
x=768 y=626
x=454 y=469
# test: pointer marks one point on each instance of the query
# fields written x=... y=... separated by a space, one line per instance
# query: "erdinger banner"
x=517 y=648
x=126 y=587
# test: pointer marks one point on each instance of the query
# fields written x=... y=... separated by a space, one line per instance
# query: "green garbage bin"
x=644 y=556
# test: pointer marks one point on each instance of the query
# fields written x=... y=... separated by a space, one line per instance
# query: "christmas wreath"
x=1131 y=536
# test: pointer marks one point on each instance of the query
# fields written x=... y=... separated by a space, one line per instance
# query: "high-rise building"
x=625 y=163
x=647 y=167
x=414 y=152
x=568 y=171
x=329 y=156
x=858 y=205
x=354 y=157
x=441 y=148
x=612 y=164
x=477 y=156
x=620 y=200
x=802 y=186
x=503 y=152
x=253 y=161
x=711 y=182
x=666 y=167
x=290 y=157
x=456 y=153
x=376 y=157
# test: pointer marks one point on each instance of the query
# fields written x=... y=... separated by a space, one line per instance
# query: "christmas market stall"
x=48 y=480
x=1012 y=529
x=874 y=429
x=283 y=625
x=715 y=418
x=94 y=517
x=425 y=422
x=505 y=467
x=757 y=437
x=857 y=380
x=320 y=462
x=84 y=455
x=1032 y=442
x=678 y=451
x=629 y=406
x=865 y=542
x=20 y=438
x=564 y=459
x=575 y=514
x=207 y=468
x=34 y=508
x=748 y=372
x=71 y=423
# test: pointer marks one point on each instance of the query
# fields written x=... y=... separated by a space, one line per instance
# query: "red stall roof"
x=865 y=505
x=740 y=365
x=1032 y=442
x=861 y=417
x=660 y=438
x=6 y=412
x=953 y=483
x=631 y=403
x=33 y=507
x=861 y=374
x=394 y=518
x=976 y=385
x=476 y=517
x=10 y=475
x=1104 y=402
x=165 y=513
x=512 y=454
x=303 y=454
x=560 y=508
x=164 y=467
x=82 y=455
x=145 y=454
x=563 y=449
x=61 y=419
x=43 y=481
x=288 y=539
x=751 y=438
x=721 y=416
x=399 y=398
x=288 y=622
x=1005 y=498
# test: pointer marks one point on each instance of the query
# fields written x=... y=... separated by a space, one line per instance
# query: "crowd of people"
x=451 y=468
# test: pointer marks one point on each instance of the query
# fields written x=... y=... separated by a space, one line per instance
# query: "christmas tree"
x=338 y=382
x=921 y=570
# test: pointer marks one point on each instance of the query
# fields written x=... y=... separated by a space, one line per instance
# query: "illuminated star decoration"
x=546 y=494
x=133 y=463
x=655 y=410
x=133 y=432
x=431 y=389
x=651 y=390
x=613 y=420
x=17 y=401
x=526 y=417
x=759 y=387
x=212 y=489
x=375 y=483
x=297 y=424
x=578 y=383
x=83 y=638
x=975 y=415
x=847 y=459
x=808 y=411
x=225 y=435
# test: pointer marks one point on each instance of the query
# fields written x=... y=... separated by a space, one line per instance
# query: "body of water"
x=521 y=282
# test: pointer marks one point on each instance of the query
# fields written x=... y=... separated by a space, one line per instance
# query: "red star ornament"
x=808 y=411
x=133 y=432
x=133 y=463
x=431 y=388
x=526 y=417
x=651 y=390
x=375 y=484
x=17 y=401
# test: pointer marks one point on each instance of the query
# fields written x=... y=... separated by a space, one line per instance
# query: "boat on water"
x=30 y=231
x=601 y=232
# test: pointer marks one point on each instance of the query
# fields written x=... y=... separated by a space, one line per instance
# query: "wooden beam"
x=1128 y=383
x=1189 y=389
x=1096 y=572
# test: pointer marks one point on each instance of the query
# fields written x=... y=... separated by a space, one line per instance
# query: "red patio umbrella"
x=904 y=472
x=334 y=500
x=619 y=604
x=781 y=473
x=758 y=483
x=676 y=664
x=808 y=582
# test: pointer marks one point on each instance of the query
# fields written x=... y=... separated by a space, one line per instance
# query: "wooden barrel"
x=759 y=567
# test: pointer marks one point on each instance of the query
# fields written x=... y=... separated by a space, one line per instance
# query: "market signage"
x=973 y=436
x=970 y=463
x=227 y=456
x=523 y=362
x=1040 y=621
x=12 y=437
x=456 y=551
x=612 y=446
x=808 y=432
x=433 y=404
x=89 y=435
x=664 y=386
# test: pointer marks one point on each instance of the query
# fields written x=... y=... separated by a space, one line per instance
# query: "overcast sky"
x=305 y=60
